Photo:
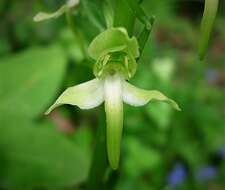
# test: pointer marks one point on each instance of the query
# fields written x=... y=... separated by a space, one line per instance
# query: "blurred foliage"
x=161 y=149
x=33 y=155
x=33 y=81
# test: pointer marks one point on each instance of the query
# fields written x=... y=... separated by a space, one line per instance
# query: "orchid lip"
x=114 y=116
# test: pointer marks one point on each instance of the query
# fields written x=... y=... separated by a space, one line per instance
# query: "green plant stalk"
x=209 y=15
x=77 y=35
x=99 y=162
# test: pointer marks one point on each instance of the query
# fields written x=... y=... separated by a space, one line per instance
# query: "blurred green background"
x=161 y=148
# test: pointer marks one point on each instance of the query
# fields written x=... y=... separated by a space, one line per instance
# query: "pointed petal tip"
x=138 y=97
x=42 y=16
x=47 y=112
x=177 y=108
x=114 y=118
x=37 y=18
x=175 y=105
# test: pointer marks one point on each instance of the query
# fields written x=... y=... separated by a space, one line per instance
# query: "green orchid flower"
x=41 y=16
x=115 y=54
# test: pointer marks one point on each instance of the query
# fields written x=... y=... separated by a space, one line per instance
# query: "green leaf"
x=36 y=156
x=29 y=80
x=140 y=13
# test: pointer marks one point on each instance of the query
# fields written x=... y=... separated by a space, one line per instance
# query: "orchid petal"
x=114 y=117
x=41 y=16
x=72 y=3
x=45 y=16
x=86 y=95
x=112 y=40
x=138 y=97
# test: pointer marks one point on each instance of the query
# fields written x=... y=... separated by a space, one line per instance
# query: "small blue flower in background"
x=212 y=76
x=222 y=153
x=177 y=175
x=206 y=173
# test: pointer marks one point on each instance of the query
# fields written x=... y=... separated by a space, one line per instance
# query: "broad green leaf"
x=36 y=156
x=209 y=16
x=30 y=80
x=138 y=97
x=86 y=95
x=112 y=40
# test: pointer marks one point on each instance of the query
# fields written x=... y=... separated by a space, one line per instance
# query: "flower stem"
x=77 y=35
x=99 y=162
x=209 y=15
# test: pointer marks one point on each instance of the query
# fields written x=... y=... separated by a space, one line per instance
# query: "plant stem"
x=99 y=163
x=77 y=35
x=209 y=15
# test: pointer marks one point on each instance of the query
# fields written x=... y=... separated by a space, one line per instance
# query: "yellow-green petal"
x=112 y=40
x=138 y=97
x=41 y=16
x=72 y=3
x=86 y=95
